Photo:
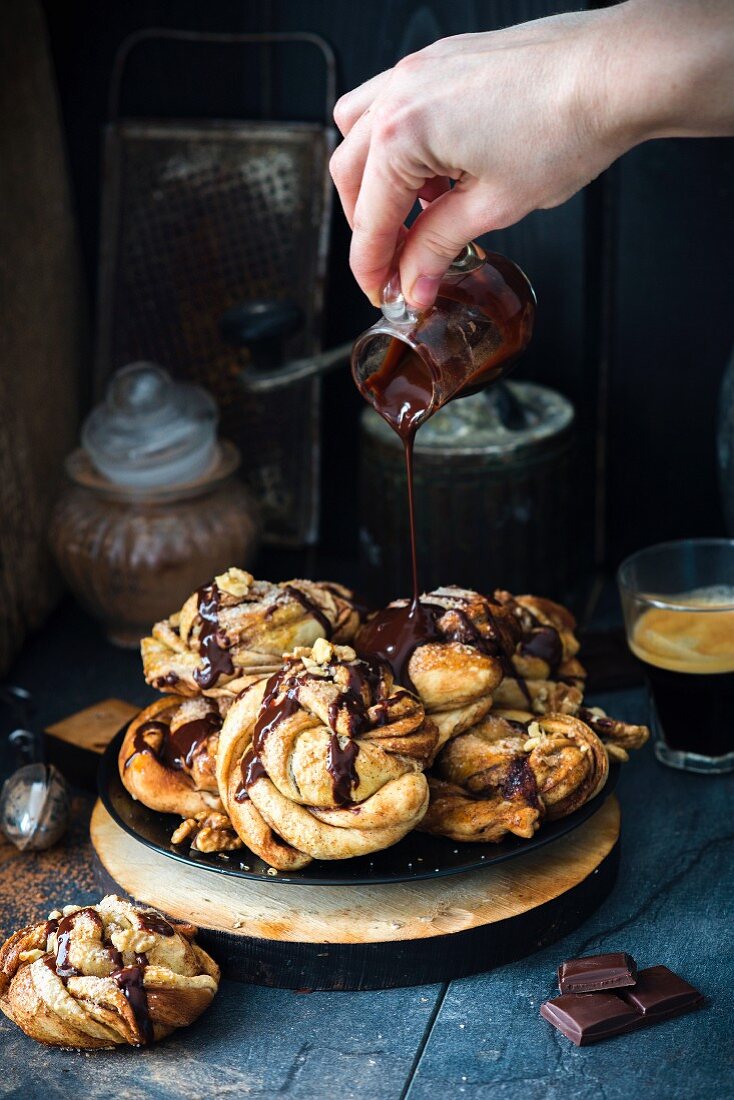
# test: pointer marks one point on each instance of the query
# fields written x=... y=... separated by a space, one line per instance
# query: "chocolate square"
x=597 y=972
x=659 y=993
x=589 y=1017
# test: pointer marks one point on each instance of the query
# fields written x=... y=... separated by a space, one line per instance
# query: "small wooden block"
x=76 y=743
x=93 y=729
x=372 y=937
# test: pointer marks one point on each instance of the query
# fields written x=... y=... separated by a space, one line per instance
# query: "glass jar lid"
x=151 y=432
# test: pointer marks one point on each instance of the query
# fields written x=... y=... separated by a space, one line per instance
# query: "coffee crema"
x=688 y=656
x=695 y=637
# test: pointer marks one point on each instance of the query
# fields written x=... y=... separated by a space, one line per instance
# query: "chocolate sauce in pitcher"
x=480 y=324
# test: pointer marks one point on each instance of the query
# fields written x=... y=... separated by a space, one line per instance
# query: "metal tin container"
x=494 y=505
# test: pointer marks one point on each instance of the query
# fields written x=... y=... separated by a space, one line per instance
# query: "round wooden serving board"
x=372 y=937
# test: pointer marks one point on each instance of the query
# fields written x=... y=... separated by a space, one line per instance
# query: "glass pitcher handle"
x=393 y=304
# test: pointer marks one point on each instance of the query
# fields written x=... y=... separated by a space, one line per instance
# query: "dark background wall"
x=634 y=276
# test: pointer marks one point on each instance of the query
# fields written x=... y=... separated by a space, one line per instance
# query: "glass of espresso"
x=678 y=603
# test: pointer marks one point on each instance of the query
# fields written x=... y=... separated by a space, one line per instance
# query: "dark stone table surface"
x=475 y=1038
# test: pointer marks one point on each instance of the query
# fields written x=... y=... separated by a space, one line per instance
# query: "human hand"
x=520 y=118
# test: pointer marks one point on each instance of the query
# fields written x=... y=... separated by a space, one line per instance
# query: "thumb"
x=435 y=238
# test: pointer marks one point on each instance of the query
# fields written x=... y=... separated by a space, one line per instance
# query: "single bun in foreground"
x=325 y=760
x=236 y=628
x=104 y=975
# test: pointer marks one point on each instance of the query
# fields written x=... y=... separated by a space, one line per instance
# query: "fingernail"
x=424 y=290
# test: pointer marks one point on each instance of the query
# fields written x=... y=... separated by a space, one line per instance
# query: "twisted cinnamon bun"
x=325 y=761
x=452 y=652
x=507 y=776
x=167 y=757
x=236 y=628
x=104 y=975
x=547 y=675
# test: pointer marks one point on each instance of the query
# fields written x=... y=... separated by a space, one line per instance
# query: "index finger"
x=385 y=199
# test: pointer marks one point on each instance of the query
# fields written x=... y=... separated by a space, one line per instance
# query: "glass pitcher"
x=410 y=363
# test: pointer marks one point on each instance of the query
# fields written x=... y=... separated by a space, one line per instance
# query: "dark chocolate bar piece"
x=589 y=1017
x=597 y=972
x=659 y=993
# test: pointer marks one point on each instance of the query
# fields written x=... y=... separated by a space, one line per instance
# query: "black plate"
x=417 y=856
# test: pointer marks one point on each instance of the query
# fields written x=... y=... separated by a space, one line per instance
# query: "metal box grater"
x=201 y=216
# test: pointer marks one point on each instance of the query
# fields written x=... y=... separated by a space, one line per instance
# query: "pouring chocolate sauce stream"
x=403 y=392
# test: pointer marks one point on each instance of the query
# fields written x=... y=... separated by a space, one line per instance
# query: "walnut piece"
x=235 y=582
x=209 y=832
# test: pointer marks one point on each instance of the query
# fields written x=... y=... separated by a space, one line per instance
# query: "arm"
x=520 y=119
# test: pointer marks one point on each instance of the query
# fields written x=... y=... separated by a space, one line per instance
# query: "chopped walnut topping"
x=314 y=668
x=235 y=582
x=210 y=832
x=30 y=956
x=186 y=829
x=536 y=738
x=322 y=652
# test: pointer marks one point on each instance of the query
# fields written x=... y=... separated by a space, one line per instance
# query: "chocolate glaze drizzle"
x=128 y=978
x=251 y=769
x=313 y=609
x=543 y=642
x=116 y=958
x=406 y=390
x=272 y=712
x=520 y=781
x=140 y=745
x=351 y=710
x=154 y=922
x=393 y=635
x=130 y=981
x=181 y=746
x=365 y=684
x=64 y=969
x=177 y=748
x=341 y=766
x=212 y=644
x=381 y=712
